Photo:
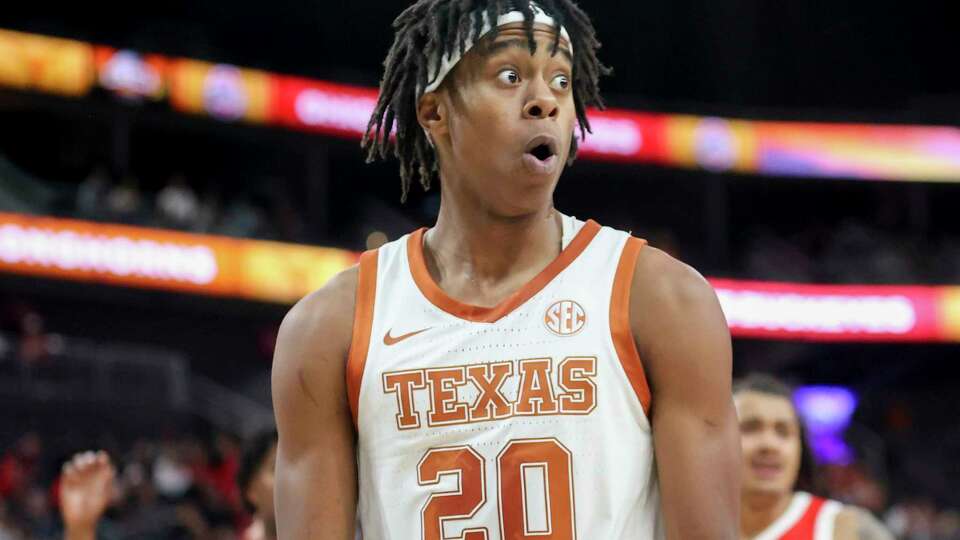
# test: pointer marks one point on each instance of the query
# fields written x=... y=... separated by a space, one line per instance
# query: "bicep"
x=684 y=341
x=315 y=481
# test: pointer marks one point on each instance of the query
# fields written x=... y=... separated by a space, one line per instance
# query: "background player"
x=496 y=126
x=777 y=465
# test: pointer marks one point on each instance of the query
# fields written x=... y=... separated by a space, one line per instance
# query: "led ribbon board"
x=283 y=273
x=230 y=93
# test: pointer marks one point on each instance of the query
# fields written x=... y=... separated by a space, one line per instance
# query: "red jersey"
x=806 y=518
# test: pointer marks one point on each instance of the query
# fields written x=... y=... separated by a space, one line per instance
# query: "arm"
x=682 y=337
x=86 y=489
x=858 y=524
x=316 y=476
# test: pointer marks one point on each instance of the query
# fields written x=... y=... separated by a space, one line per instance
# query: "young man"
x=255 y=480
x=777 y=464
x=512 y=372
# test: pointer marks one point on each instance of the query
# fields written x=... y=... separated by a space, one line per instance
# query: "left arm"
x=683 y=339
x=858 y=524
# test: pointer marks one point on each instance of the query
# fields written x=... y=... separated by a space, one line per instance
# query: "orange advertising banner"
x=284 y=273
x=53 y=65
x=167 y=260
x=222 y=91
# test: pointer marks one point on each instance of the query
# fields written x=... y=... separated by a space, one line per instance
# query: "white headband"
x=449 y=61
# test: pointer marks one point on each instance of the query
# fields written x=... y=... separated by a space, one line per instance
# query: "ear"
x=432 y=115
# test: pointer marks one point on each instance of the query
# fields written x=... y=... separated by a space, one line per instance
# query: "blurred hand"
x=86 y=489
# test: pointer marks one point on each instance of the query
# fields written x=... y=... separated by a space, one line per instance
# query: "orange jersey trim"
x=433 y=293
x=362 y=327
x=620 y=329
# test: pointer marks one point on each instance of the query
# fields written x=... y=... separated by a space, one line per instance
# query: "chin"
x=757 y=486
x=523 y=197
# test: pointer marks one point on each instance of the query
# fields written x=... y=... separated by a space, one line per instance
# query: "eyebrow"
x=519 y=43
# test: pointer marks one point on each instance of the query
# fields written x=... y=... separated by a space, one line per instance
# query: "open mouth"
x=542 y=152
x=542 y=148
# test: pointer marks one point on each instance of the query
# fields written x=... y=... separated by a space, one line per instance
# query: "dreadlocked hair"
x=429 y=29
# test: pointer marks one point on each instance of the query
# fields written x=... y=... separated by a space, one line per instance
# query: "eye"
x=509 y=76
x=560 y=82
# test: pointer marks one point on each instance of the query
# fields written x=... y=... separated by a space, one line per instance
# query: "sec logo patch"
x=565 y=318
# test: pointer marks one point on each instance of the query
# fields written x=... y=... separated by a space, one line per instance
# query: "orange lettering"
x=445 y=409
x=490 y=403
x=403 y=383
x=576 y=380
x=536 y=391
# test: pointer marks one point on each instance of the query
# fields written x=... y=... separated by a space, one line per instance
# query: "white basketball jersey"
x=524 y=420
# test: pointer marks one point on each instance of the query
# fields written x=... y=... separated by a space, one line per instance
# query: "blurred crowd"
x=849 y=251
x=173 y=487
x=185 y=487
x=908 y=518
x=249 y=213
x=259 y=207
x=852 y=252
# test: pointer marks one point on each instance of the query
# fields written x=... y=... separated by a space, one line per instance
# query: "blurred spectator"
x=208 y=211
x=858 y=254
x=124 y=202
x=8 y=529
x=35 y=344
x=38 y=513
x=19 y=465
x=912 y=520
x=772 y=257
x=242 y=219
x=91 y=194
x=178 y=205
x=947 y=525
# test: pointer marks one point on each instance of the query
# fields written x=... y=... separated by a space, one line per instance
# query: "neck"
x=485 y=248
x=759 y=510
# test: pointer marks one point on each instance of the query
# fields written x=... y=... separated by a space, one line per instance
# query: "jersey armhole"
x=362 y=327
x=620 y=329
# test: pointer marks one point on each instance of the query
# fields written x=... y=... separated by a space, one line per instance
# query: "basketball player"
x=511 y=372
x=86 y=489
x=255 y=480
x=777 y=465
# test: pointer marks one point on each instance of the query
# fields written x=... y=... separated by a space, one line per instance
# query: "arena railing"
x=283 y=273
x=231 y=93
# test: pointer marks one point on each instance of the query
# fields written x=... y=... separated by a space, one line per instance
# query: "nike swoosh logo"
x=389 y=340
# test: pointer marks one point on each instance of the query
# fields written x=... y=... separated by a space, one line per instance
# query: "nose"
x=541 y=104
x=768 y=441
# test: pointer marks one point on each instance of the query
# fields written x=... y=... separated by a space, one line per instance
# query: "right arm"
x=315 y=491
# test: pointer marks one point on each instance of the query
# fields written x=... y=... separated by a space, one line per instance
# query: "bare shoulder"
x=664 y=283
x=854 y=523
x=309 y=361
x=669 y=299
x=322 y=316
